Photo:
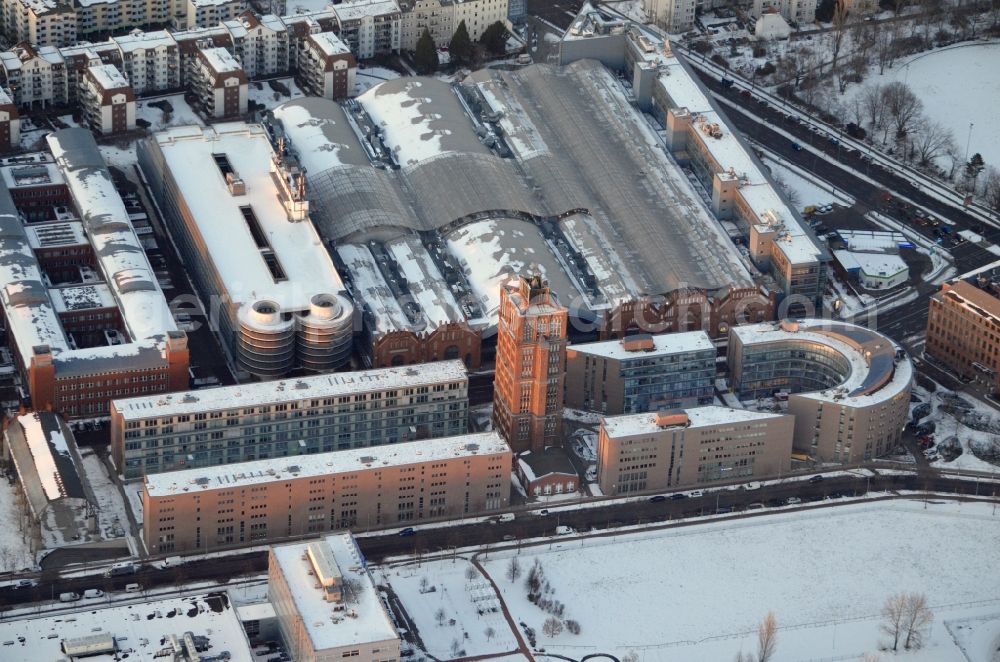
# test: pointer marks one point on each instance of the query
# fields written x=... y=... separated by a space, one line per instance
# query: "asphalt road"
x=526 y=525
x=836 y=167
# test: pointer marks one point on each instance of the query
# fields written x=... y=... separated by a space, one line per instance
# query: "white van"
x=506 y=517
x=133 y=588
x=68 y=597
x=564 y=530
x=92 y=593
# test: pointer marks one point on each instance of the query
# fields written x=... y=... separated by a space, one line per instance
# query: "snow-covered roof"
x=119 y=253
x=53 y=465
x=424 y=281
x=51 y=235
x=873 y=240
x=256 y=472
x=221 y=60
x=698 y=417
x=872 y=264
x=218 y=216
x=82 y=297
x=329 y=43
x=30 y=170
x=291 y=390
x=150 y=631
x=359 y=619
x=875 y=373
x=663 y=344
x=320 y=134
x=212 y=3
x=108 y=77
x=352 y=10
x=421 y=118
x=144 y=40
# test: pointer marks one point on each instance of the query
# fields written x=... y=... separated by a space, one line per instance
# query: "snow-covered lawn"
x=461 y=599
x=181 y=114
x=271 y=98
x=122 y=158
x=697 y=593
x=958 y=85
x=15 y=548
x=963 y=417
x=804 y=192
x=369 y=77
x=113 y=523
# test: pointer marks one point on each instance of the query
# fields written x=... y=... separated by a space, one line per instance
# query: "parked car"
x=69 y=597
x=91 y=593
x=816 y=479
x=797 y=147
x=657 y=499
x=746 y=93
x=678 y=496
x=25 y=583
x=408 y=531
x=562 y=530
x=793 y=501
x=696 y=493
x=133 y=588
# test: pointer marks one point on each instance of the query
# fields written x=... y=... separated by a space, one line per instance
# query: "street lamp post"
x=968 y=142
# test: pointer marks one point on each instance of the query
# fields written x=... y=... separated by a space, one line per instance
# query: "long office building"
x=641 y=373
x=688 y=448
x=240 y=217
x=268 y=500
x=847 y=386
x=276 y=419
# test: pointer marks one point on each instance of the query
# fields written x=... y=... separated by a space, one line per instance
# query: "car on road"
x=816 y=479
x=408 y=531
x=721 y=510
x=91 y=593
x=563 y=530
x=746 y=93
x=696 y=493
x=69 y=597
x=678 y=496
x=133 y=588
x=797 y=147
x=508 y=537
x=26 y=583
x=543 y=511
x=792 y=501
x=657 y=499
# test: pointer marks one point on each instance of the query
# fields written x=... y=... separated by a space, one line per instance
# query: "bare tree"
x=631 y=656
x=767 y=638
x=885 y=48
x=490 y=633
x=470 y=573
x=423 y=584
x=930 y=140
x=552 y=627
x=991 y=187
x=916 y=617
x=902 y=105
x=893 y=612
x=513 y=569
x=440 y=616
x=839 y=29
x=456 y=648
x=873 y=104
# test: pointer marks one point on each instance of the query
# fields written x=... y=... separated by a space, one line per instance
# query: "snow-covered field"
x=270 y=98
x=965 y=418
x=698 y=593
x=967 y=76
x=113 y=522
x=181 y=114
x=15 y=550
x=804 y=192
x=369 y=77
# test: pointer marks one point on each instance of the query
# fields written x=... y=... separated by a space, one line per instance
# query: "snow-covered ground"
x=15 y=548
x=966 y=418
x=181 y=114
x=697 y=593
x=803 y=192
x=112 y=520
x=968 y=77
x=271 y=98
x=450 y=594
x=369 y=77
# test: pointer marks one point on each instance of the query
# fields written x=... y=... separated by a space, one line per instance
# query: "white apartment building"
x=35 y=75
x=259 y=44
x=40 y=22
x=442 y=17
x=149 y=61
x=201 y=13
x=801 y=12
x=220 y=84
x=108 y=101
x=370 y=27
x=10 y=122
x=326 y=67
x=674 y=16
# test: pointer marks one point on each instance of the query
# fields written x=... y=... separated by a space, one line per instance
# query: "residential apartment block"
x=34 y=76
x=675 y=16
x=269 y=500
x=240 y=217
x=328 y=578
x=201 y=13
x=963 y=328
x=531 y=370
x=641 y=373
x=682 y=449
x=284 y=418
x=370 y=27
x=220 y=84
x=442 y=17
x=847 y=386
x=85 y=317
x=801 y=12
x=107 y=100
x=41 y=22
x=10 y=123
x=326 y=67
